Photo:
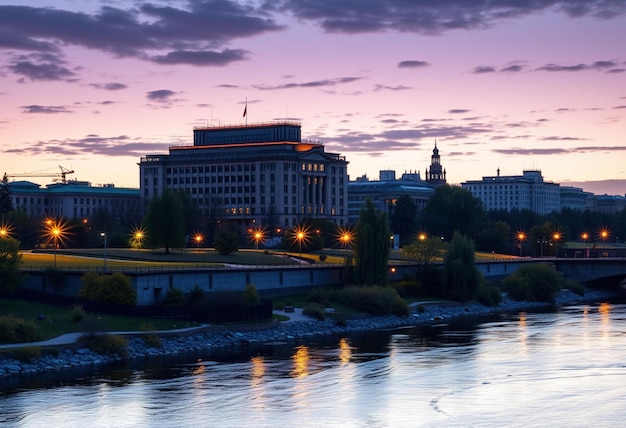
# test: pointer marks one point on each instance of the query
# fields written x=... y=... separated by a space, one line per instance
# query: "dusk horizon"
x=95 y=85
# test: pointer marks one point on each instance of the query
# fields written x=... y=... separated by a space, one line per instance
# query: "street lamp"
x=55 y=231
x=300 y=233
x=198 y=238
x=104 y=236
x=556 y=238
x=585 y=236
x=520 y=237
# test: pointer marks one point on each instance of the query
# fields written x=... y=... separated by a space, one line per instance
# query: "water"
x=566 y=368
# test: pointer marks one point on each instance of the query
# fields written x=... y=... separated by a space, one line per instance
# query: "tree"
x=424 y=249
x=495 y=236
x=225 y=242
x=6 y=202
x=452 y=208
x=371 y=246
x=461 y=277
x=10 y=259
x=403 y=219
x=164 y=221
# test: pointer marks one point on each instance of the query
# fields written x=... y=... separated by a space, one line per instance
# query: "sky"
x=94 y=85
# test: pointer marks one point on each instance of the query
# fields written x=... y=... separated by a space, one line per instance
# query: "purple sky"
x=94 y=85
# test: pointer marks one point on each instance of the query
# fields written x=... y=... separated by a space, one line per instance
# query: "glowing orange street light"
x=604 y=234
x=520 y=237
x=300 y=233
x=422 y=236
x=198 y=238
x=556 y=238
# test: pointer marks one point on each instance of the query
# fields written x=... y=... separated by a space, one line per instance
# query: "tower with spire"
x=435 y=175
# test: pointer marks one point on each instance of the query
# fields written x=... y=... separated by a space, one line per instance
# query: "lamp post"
x=55 y=233
x=139 y=239
x=585 y=236
x=198 y=238
x=556 y=237
x=104 y=236
x=300 y=237
x=521 y=236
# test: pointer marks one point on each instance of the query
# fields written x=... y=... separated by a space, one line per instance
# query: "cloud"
x=202 y=58
x=597 y=65
x=413 y=64
x=458 y=111
x=391 y=88
x=36 y=109
x=109 y=86
x=515 y=68
x=92 y=144
x=482 y=69
x=311 y=84
x=161 y=95
x=433 y=16
x=558 y=150
x=162 y=34
x=40 y=67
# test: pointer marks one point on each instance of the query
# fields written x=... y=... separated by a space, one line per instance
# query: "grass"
x=59 y=319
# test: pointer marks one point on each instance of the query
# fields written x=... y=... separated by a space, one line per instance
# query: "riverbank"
x=214 y=338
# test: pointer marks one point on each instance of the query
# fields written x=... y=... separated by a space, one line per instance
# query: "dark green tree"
x=10 y=275
x=164 y=221
x=371 y=246
x=424 y=249
x=403 y=219
x=495 y=236
x=461 y=277
x=6 y=201
x=226 y=242
x=452 y=208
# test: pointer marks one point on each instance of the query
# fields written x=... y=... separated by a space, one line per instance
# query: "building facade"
x=436 y=175
x=523 y=192
x=385 y=192
x=259 y=174
x=72 y=200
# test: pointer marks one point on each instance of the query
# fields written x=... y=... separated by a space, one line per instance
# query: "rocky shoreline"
x=223 y=338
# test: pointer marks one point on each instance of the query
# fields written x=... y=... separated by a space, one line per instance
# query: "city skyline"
x=94 y=85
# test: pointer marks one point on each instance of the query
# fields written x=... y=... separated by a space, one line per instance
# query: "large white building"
x=523 y=192
x=258 y=174
x=72 y=199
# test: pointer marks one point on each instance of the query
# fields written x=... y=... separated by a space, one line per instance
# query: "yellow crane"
x=58 y=175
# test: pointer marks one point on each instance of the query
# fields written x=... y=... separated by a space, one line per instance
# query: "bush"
x=407 y=288
x=116 y=288
x=108 y=344
x=373 y=299
x=489 y=295
x=322 y=257
x=251 y=295
x=17 y=330
x=77 y=313
x=226 y=242
x=174 y=297
x=26 y=354
x=150 y=337
x=314 y=310
x=537 y=282
x=195 y=295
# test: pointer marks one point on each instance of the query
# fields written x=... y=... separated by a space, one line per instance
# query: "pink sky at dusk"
x=94 y=85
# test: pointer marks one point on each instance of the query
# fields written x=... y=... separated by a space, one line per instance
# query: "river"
x=563 y=368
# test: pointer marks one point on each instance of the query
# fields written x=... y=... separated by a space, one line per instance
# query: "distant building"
x=385 y=192
x=528 y=191
x=71 y=200
x=436 y=176
x=262 y=174
x=576 y=199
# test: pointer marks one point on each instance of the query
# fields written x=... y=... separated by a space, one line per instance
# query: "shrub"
x=537 y=282
x=251 y=295
x=150 y=337
x=322 y=257
x=489 y=295
x=115 y=288
x=108 y=344
x=407 y=288
x=26 y=354
x=226 y=242
x=174 y=297
x=314 y=310
x=17 y=330
x=77 y=313
x=195 y=295
x=373 y=299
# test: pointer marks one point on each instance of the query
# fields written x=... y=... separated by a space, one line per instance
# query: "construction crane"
x=58 y=175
